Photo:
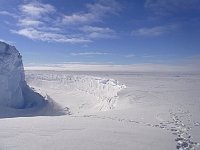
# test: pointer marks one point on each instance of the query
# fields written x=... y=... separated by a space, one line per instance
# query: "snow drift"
x=77 y=92
x=11 y=77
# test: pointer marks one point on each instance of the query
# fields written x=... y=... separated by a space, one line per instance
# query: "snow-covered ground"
x=107 y=111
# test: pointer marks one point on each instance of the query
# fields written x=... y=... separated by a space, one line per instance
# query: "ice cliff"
x=12 y=79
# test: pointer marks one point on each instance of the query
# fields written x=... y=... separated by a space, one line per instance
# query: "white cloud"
x=130 y=55
x=96 y=29
x=29 y=22
x=6 y=13
x=154 y=31
x=49 y=37
x=104 y=7
x=94 y=13
x=34 y=23
x=39 y=21
x=148 y=56
x=89 y=53
x=98 y=32
x=169 y=7
x=36 y=9
x=78 y=18
x=109 y=67
x=50 y=29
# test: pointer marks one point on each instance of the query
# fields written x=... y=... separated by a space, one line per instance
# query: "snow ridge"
x=104 y=90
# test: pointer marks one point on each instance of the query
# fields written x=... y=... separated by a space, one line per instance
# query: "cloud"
x=89 y=53
x=130 y=55
x=109 y=67
x=148 y=56
x=39 y=21
x=35 y=14
x=98 y=32
x=95 y=12
x=170 y=7
x=49 y=37
x=104 y=7
x=78 y=18
x=29 y=22
x=153 y=31
x=6 y=13
x=34 y=22
x=96 y=29
x=36 y=9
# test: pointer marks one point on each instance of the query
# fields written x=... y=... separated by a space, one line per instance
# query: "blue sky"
x=102 y=31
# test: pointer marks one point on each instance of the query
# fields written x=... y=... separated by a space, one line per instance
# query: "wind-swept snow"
x=77 y=92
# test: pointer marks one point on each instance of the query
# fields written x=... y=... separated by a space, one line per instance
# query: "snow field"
x=158 y=111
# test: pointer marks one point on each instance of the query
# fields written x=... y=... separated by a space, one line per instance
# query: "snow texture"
x=102 y=92
x=156 y=111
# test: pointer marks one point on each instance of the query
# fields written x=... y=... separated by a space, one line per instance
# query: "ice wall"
x=11 y=77
x=106 y=90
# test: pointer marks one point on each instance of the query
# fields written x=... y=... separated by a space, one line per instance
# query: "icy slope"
x=77 y=92
x=11 y=77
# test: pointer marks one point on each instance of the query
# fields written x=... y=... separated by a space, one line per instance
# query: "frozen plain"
x=107 y=111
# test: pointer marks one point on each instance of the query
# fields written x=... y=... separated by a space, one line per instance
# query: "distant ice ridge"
x=12 y=79
x=104 y=90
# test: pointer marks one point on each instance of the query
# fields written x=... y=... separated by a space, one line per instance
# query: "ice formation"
x=103 y=92
x=12 y=79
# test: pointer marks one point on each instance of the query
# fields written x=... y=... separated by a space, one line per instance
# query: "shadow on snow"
x=35 y=105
